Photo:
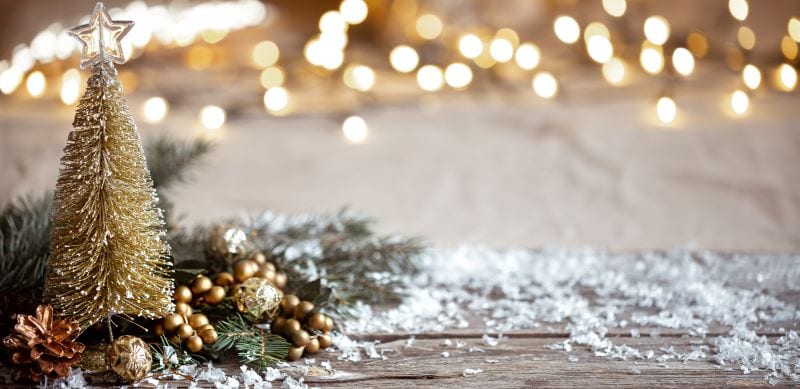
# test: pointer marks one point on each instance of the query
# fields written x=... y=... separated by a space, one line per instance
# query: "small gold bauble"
x=325 y=341
x=183 y=309
x=295 y=353
x=300 y=338
x=224 y=279
x=313 y=346
x=280 y=279
x=277 y=325
x=183 y=294
x=215 y=295
x=257 y=297
x=303 y=309
x=209 y=336
x=129 y=357
x=172 y=321
x=258 y=257
x=201 y=284
x=244 y=269
x=194 y=344
x=328 y=324
x=204 y=327
x=291 y=326
x=266 y=274
x=227 y=242
x=316 y=321
x=184 y=331
x=288 y=304
x=198 y=320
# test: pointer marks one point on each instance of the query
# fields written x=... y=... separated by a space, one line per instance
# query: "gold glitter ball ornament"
x=257 y=296
x=129 y=357
x=227 y=241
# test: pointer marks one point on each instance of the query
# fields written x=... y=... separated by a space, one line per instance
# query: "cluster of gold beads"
x=304 y=327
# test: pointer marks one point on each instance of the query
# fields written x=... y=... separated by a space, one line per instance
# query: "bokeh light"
x=794 y=29
x=458 y=75
x=36 y=84
x=353 y=11
x=272 y=76
x=786 y=77
x=746 y=38
x=404 y=59
x=652 y=59
x=666 y=110
x=359 y=77
x=528 y=56
x=155 y=110
x=751 y=76
x=683 y=61
x=470 y=46
x=545 y=85
x=429 y=26
x=265 y=54
x=740 y=102
x=614 y=71
x=697 y=44
x=739 y=9
x=615 y=8
x=567 y=29
x=430 y=78
x=596 y=29
x=70 y=86
x=788 y=48
x=656 y=30
x=332 y=22
x=276 y=99
x=599 y=49
x=355 y=130
x=212 y=117
x=501 y=49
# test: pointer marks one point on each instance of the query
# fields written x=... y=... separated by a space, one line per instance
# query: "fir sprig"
x=170 y=357
x=24 y=243
x=254 y=345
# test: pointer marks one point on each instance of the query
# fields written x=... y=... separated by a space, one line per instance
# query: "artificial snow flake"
x=471 y=372
x=445 y=354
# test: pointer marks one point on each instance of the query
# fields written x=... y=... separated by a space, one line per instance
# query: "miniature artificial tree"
x=108 y=249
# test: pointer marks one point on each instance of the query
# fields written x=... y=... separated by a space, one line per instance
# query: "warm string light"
x=740 y=102
x=739 y=9
x=545 y=85
x=614 y=71
x=683 y=61
x=615 y=8
x=265 y=54
x=458 y=75
x=155 y=110
x=470 y=46
x=353 y=11
x=651 y=58
x=599 y=49
x=359 y=77
x=430 y=78
x=751 y=76
x=567 y=29
x=528 y=56
x=272 y=76
x=355 y=130
x=793 y=27
x=666 y=109
x=36 y=84
x=429 y=26
x=212 y=117
x=70 y=86
x=404 y=59
x=276 y=100
x=656 y=30
x=785 y=77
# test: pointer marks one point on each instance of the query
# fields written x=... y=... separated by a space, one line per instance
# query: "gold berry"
x=316 y=321
x=266 y=274
x=183 y=294
x=184 y=331
x=300 y=338
x=288 y=303
x=201 y=285
x=183 y=309
x=209 y=336
x=268 y=266
x=303 y=309
x=328 y=324
x=194 y=343
x=224 y=279
x=325 y=341
x=280 y=279
x=278 y=325
x=295 y=353
x=172 y=321
x=215 y=295
x=291 y=326
x=313 y=346
x=244 y=269
x=158 y=329
x=198 y=320
x=258 y=257
x=204 y=327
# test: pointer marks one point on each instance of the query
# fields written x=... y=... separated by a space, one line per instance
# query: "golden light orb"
x=429 y=26
x=786 y=77
x=567 y=29
x=740 y=102
x=614 y=71
x=70 y=86
x=746 y=38
x=332 y=21
x=697 y=44
x=430 y=78
x=272 y=76
x=276 y=99
x=656 y=30
x=595 y=29
x=155 y=109
x=615 y=8
x=599 y=49
x=36 y=84
x=353 y=11
x=265 y=54
x=355 y=129
x=212 y=117
x=739 y=9
x=501 y=49
x=404 y=59
x=789 y=47
x=652 y=59
x=458 y=75
x=751 y=76
x=683 y=61
x=794 y=29
x=470 y=46
x=359 y=77
x=528 y=56
x=545 y=85
x=666 y=110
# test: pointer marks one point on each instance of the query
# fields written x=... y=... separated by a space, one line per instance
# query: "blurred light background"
x=622 y=124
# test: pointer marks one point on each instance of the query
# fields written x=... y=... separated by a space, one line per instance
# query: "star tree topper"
x=101 y=38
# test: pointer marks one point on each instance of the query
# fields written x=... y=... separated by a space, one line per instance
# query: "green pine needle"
x=254 y=346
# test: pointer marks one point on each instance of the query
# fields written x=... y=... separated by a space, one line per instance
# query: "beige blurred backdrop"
x=495 y=166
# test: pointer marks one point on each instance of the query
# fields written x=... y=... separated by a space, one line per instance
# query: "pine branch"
x=24 y=243
x=172 y=161
x=255 y=346
x=170 y=357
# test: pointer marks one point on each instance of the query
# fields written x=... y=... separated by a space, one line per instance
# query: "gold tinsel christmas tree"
x=108 y=250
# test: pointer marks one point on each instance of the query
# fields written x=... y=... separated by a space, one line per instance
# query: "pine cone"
x=43 y=346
